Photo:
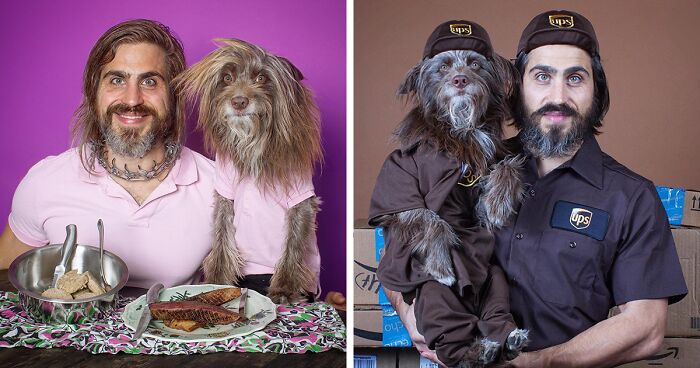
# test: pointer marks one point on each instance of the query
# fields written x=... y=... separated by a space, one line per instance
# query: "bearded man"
x=590 y=234
x=128 y=166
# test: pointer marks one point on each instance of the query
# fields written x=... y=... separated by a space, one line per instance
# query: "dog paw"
x=516 y=341
x=489 y=351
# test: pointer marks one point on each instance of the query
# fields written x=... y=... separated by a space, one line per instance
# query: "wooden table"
x=68 y=357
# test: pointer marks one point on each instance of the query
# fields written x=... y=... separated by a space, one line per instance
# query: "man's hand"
x=10 y=248
x=408 y=318
x=634 y=334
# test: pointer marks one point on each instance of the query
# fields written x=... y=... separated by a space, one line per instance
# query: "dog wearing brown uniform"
x=440 y=194
x=256 y=114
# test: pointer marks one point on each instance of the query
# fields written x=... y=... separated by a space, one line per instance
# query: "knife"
x=151 y=297
x=67 y=253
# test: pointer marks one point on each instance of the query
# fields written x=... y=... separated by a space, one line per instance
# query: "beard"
x=555 y=142
x=132 y=142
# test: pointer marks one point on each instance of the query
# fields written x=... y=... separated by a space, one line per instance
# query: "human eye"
x=117 y=81
x=149 y=82
x=575 y=79
x=541 y=77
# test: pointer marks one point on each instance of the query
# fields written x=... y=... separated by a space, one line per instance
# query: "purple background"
x=44 y=46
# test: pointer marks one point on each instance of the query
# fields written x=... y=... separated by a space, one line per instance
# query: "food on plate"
x=184 y=325
x=217 y=297
x=193 y=311
x=74 y=285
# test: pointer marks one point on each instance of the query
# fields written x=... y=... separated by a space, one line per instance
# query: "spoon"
x=101 y=230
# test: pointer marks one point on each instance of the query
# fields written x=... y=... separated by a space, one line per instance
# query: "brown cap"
x=458 y=35
x=557 y=27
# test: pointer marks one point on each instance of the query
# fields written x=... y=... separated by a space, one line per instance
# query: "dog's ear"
x=296 y=73
x=505 y=74
x=410 y=82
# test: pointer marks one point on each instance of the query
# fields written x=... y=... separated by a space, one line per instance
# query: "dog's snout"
x=240 y=102
x=460 y=81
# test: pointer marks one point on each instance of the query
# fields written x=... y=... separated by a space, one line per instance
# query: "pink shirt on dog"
x=163 y=240
x=260 y=219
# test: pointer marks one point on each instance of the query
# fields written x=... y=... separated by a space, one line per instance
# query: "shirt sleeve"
x=26 y=217
x=397 y=188
x=647 y=264
x=226 y=178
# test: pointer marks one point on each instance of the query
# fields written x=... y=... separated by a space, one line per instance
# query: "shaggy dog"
x=263 y=123
x=460 y=100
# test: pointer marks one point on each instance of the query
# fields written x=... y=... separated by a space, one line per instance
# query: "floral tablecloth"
x=299 y=328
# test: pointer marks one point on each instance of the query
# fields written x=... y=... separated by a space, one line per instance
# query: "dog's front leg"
x=292 y=276
x=224 y=264
x=430 y=239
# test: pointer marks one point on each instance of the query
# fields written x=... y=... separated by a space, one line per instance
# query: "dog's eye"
x=444 y=67
x=475 y=65
x=260 y=79
x=228 y=78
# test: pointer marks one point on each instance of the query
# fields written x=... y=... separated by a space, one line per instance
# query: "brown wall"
x=650 y=51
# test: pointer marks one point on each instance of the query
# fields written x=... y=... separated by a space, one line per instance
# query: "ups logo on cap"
x=461 y=29
x=580 y=218
x=561 y=21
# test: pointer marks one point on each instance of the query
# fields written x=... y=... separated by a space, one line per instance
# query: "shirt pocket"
x=568 y=268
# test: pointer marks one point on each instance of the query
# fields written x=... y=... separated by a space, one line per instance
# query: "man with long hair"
x=590 y=234
x=128 y=166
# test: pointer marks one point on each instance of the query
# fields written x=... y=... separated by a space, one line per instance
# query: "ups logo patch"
x=561 y=21
x=461 y=29
x=580 y=219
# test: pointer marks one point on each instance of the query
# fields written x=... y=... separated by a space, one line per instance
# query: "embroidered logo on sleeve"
x=581 y=219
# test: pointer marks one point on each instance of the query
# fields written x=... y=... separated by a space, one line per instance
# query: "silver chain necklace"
x=172 y=152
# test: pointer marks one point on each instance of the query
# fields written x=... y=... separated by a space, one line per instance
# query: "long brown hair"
x=86 y=126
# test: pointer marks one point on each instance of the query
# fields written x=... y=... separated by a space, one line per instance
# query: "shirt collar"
x=587 y=162
x=184 y=171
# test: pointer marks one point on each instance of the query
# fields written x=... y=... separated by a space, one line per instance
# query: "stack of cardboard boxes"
x=381 y=341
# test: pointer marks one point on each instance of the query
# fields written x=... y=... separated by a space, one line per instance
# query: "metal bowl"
x=32 y=272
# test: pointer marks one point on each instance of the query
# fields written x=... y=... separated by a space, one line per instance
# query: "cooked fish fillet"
x=217 y=297
x=194 y=311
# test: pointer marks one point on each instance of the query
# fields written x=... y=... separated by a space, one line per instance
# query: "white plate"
x=259 y=311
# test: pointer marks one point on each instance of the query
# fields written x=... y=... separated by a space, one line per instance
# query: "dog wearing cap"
x=263 y=125
x=440 y=195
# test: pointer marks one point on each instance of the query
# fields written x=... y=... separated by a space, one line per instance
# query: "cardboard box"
x=675 y=353
x=368 y=327
x=682 y=206
x=365 y=263
x=374 y=358
x=683 y=318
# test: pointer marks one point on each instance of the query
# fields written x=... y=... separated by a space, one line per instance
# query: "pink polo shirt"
x=163 y=240
x=261 y=219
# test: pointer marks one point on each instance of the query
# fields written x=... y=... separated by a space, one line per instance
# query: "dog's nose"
x=460 y=81
x=239 y=102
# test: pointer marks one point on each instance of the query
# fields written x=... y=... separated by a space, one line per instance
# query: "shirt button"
x=519 y=236
x=572 y=244
x=532 y=193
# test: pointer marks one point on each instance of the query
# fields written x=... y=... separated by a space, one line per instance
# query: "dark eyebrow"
x=551 y=70
x=575 y=69
x=121 y=74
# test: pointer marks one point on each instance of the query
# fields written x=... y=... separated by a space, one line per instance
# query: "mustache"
x=124 y=108
x=562 y=108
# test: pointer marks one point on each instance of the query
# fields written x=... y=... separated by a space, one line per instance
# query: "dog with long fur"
x=257 y=116
x=460 y=100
